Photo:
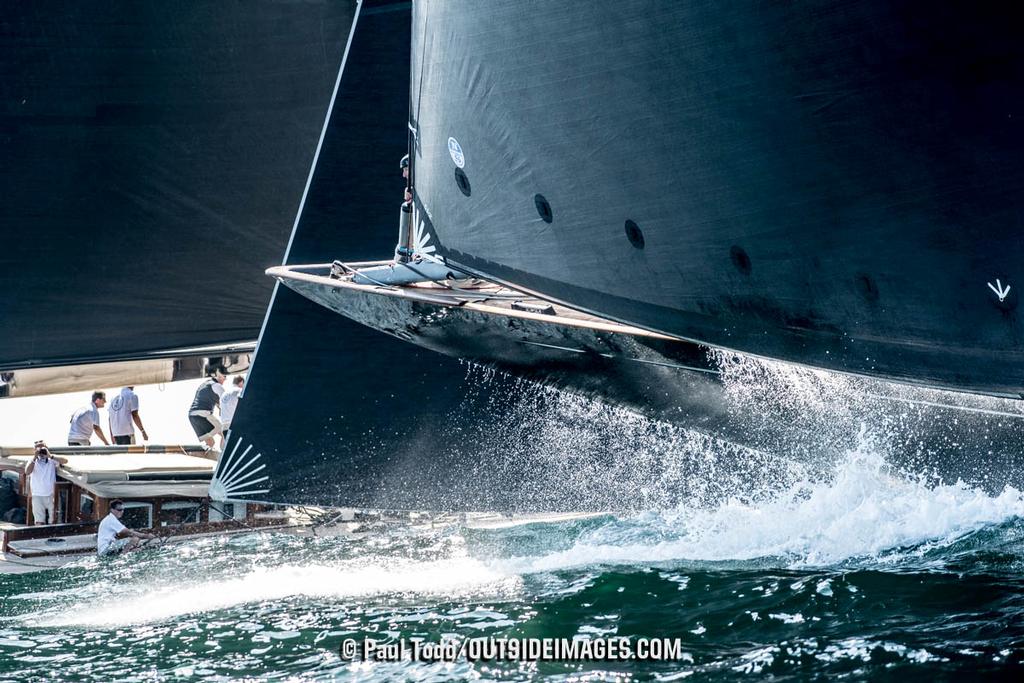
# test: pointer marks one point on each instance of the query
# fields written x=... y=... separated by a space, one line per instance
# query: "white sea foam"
x=154 y=600
x=864 y=511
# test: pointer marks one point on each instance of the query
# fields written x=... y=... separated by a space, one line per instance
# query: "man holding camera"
x=42 y=473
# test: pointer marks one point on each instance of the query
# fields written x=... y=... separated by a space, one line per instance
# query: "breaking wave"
x=866 y=512
x=855 y=534
x=866 y=515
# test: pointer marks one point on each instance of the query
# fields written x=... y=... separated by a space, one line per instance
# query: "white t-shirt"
x=228 y=403
x=43 y=477
x=82 y=423
x=107 y=532
x=121 y=413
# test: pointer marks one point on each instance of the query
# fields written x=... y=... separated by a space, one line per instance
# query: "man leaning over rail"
x=113 y=537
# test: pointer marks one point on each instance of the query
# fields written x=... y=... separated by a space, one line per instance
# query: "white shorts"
x=113 y=548
x=205 y=424
x=41 y=505
x=78 y=442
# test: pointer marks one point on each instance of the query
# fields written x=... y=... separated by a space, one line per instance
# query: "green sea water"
x=866 y=576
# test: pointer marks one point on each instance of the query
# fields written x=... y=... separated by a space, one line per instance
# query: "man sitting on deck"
x=113 y=538
x=86 y=420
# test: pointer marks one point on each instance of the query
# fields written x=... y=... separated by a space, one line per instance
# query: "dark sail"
x=835 y=185
x=152 y=159
x=314 y=369
x=335 y=413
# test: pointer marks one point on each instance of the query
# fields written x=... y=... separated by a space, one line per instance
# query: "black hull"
x=662 y=377
x=344 y=415
x=153 y=157
x=830 y=184
x=768 y=408
x=337 y=414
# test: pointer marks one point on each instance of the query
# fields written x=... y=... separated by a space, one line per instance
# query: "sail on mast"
x=153 y=157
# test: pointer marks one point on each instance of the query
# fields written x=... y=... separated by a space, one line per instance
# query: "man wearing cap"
x=204 y=423
x=42 y=474
x=113 y=537
x=86 y=421
x=124 y=410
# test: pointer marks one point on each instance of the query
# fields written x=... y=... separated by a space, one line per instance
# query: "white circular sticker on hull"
x=455 y=149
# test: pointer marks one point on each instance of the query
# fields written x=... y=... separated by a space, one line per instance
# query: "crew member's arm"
x=28 y=479
x=132 y=533
x=99 y=432
x=138 y=423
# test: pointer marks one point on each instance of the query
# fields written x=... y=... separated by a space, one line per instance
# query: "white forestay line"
x=985 y=411
x=323 y=131
x=309 y=182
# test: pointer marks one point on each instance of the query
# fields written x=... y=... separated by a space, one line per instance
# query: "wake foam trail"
x=143 y=603
x=866 y=513
x=861 y=513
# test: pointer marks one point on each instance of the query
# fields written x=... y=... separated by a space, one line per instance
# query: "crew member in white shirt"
x=113 y=537
x=86 y=420
x=124 y=410
x=42 y=474
x=229 y=401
